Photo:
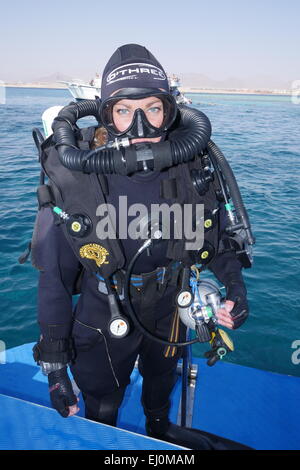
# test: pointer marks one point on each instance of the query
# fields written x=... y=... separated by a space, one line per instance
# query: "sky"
x=216 y=38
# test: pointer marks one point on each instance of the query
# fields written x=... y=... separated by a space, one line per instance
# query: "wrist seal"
x=235 y=286
x=54 y=351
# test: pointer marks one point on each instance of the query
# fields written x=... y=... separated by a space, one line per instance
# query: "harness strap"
x=149 y=293
x=162 y=275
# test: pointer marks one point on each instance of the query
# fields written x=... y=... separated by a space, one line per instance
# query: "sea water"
x=259 y=136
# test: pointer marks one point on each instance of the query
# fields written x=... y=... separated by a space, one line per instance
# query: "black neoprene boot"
x=161 y=428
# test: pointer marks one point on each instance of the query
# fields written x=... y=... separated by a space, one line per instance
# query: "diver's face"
x=123 y=112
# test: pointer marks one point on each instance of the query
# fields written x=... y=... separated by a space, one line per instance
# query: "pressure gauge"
x=184 y=298
x=118 y=327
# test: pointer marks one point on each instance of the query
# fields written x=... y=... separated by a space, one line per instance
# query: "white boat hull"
x=83 y=92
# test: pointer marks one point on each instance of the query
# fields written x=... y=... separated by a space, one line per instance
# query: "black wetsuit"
x=103 y=364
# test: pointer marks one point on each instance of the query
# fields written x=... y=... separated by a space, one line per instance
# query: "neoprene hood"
x=132 y=66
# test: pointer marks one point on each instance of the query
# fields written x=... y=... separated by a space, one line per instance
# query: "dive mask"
x=139 y=125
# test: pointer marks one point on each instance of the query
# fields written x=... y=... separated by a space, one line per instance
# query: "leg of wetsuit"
x=103 y=365
x=106 y=409
x=158 y=368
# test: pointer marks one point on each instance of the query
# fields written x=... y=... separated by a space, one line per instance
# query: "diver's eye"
x=155 y=109
x=122 y=111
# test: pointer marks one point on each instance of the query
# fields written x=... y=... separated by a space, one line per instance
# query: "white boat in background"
x=81 y=90
x=175 y=84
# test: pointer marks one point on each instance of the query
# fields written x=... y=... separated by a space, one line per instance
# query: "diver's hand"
x=62 y=396
x=235 y=310
x=234 y=314
x=223 y=315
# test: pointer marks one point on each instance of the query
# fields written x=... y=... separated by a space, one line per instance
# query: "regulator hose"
x=185 y=143
x=218 y=159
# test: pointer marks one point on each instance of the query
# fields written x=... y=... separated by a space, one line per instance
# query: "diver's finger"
x=73 y=410
x=224 y=319
x=228 y=306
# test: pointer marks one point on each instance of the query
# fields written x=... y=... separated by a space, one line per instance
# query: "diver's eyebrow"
x=153 y=102
x=124 y=105
x=148 y=105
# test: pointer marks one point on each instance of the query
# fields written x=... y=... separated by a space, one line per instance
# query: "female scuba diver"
x=150 y=151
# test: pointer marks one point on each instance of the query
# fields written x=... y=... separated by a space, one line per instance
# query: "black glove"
x=239 y=312
x=237 y=292
x=61 y=391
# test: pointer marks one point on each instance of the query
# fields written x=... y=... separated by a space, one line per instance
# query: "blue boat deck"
x=251 y=406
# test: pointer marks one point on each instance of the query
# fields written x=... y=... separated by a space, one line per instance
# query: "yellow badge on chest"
x=96 y=252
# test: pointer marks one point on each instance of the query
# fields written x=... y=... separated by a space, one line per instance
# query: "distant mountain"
x=54 y=77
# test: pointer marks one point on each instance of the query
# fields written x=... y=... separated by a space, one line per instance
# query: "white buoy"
x=48 y=117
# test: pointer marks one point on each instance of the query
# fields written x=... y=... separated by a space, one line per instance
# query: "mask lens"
x=151 y=115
